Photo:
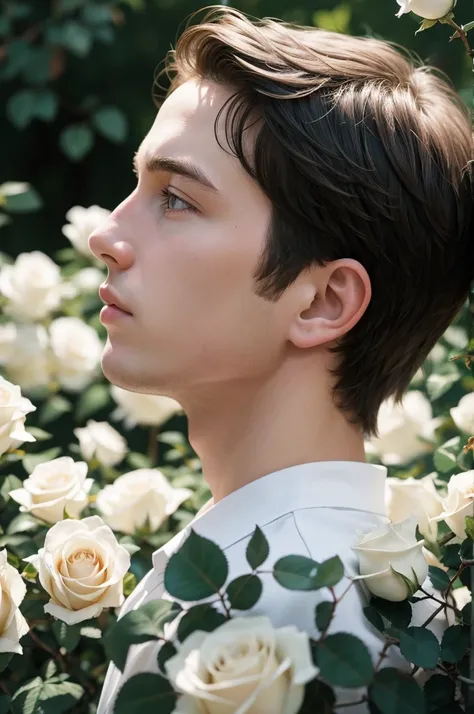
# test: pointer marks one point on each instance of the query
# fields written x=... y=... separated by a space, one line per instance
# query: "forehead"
x=185 y=128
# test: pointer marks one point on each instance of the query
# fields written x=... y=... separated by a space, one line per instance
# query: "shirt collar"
x=337 y=484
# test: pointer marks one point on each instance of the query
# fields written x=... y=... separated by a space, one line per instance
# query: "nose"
x=108 y=246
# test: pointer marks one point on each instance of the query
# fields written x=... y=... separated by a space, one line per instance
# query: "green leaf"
x=21 y=108
x=65 y=6
x=129 y=582
x=257 y=549
x=167 y=650
x=374 y=618
x=330 y=572
x=442 y=380
x=244 y=592
x=96 y=14
x=469 y=527
x=445 y=458
x=323 y=614
x=200 y=617
x=137 y=460
x=76 y=141
x=144 y=694
x=319 y=699
x=46 y=105
x=439 y=579
x=197 y=570
x=439 y=690
x=425 y=25
x=395 y=692
x=55 y=407
x=67 y=636
x=140 y=625
x=23 y=523
x=20 y=197
x=18 y=58
x=96 y=397
x=466 y=614
x=296 y=572
x=398 y=614
x=344 y=661
x=73 y=36
x=466 y=550
x=60 y=696
x=450 y=556
x=5 y=658
x=30 y=572
x=10 y=482
x=420 y=646
x=454 y=644
x=5 y=702
x=31 y=461
x=111 y=123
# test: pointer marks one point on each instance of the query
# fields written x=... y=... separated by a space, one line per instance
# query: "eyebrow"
x=183 y=167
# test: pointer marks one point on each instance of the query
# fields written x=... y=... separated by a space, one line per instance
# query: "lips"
x=110 y=297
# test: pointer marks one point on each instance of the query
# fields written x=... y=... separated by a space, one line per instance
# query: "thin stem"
x=352 y=704
x=57 y=655
x=433 y=615
x=440 y=602
x=383 y=653
x=446 y=539
x=461 y=32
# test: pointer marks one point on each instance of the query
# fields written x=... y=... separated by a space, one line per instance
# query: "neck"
x=252 y=429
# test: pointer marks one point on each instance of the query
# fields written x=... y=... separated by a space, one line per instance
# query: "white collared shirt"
x=312 y=509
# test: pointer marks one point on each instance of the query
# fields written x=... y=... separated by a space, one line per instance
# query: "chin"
x=128 y=372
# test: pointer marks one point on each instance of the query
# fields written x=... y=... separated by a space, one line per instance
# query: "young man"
x=298 y=240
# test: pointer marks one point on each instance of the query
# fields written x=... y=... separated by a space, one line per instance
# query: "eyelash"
x=167 y=194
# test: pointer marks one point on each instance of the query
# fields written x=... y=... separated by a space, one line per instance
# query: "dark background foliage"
x=87 y=54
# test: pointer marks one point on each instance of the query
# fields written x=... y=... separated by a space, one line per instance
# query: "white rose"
x=81 y=567
x=13 y=411
x=31 y=365
x=7 y=341
x=391 y=561
x=138 y=497
x=32 y=285
x=245 y=665
x=463 y=414
x=419 y=496
x=77 y=350
x=12 y=591
x=144 y=409
x=88 y=280
x=400 y=427
x=101 y=440
x=82 y=222
x=428 y=9
x=459 y=502
x=54 y=486
x=432 y=560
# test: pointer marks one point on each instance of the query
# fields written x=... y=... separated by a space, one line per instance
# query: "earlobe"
x=342 y=293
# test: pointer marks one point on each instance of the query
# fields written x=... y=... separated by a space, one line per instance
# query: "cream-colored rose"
x=31 y=364
x=463 y=414
x=244 y=666
x=419 y=496
x=391 y=561
x=7 y=340
x=458 y=503
x=81 y=567
x=12 y=591
x=32 y=285
x=144 y=409
x=54 y=486
x=82 y=222
x=428 y=9
x=400 y=427
x=101 y=440
x=88 y=280
x=13 y=411
x=77 y=350
x=139 y=497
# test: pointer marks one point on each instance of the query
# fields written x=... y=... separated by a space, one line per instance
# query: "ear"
x=333 y=299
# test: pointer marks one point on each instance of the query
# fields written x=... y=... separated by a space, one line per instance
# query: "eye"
x=169 y=197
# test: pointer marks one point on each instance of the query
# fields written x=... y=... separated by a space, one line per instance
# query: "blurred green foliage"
x=76 y=81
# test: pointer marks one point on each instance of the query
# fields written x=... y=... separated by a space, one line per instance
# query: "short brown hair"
x=364 y=153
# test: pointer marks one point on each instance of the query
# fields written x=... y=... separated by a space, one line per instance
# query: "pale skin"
x=251 y=375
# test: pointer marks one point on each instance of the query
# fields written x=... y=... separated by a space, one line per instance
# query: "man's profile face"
x=183 y=264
